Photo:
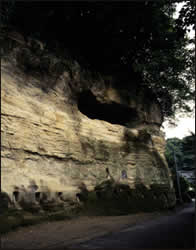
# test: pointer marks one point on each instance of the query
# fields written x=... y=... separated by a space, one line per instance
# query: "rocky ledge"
x=66 y=133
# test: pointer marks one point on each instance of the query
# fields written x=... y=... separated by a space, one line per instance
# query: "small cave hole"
x=81 y=197
x=114 y=113
x=98 y=194
x=37 y=196
x=43 y=197
x=16 y=195
x=78 y=197
x=115 y=192
x=59 y=194
x=107 y=172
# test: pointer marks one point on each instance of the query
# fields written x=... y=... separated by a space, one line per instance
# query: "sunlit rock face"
x=61 y=133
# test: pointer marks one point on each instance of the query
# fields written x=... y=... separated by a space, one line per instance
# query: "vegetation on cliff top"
x=138 y=41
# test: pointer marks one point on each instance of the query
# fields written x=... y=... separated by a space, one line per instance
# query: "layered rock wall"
x=57 y=137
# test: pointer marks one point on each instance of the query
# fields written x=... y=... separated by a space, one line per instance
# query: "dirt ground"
x=49 y=235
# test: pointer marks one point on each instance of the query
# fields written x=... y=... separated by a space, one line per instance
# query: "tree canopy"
x=139 y=42
x=184 y=150
x=188 y=148
x=174 y=146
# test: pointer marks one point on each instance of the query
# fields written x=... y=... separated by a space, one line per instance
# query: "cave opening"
x=16 y=195
x=37 y=196
x=113 y=112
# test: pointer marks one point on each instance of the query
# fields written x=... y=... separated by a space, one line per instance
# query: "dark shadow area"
x=113 y=113
x=113 y=198
x=16 y=195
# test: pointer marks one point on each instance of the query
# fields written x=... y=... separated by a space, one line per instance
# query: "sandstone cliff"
x=66 y=132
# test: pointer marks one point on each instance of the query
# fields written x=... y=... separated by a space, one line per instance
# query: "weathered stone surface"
x=50 y=148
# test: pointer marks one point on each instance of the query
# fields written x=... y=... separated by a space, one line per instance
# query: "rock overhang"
x=110 y=111
x=59 y=148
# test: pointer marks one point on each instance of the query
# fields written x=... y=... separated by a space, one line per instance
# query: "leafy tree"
x=187 y=15
x=174 y=146
x=184 y=152
x=6 y=10
x=138 y=42
x=184 y=186
x=188 y=148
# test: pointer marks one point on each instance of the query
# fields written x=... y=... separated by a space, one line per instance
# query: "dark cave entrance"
x=113 y=113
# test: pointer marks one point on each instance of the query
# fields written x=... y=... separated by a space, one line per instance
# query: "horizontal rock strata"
x=54 y=140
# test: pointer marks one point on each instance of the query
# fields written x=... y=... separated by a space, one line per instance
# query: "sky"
x=185 y=124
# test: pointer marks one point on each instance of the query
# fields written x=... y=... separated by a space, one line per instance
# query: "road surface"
x=177 y=231
x=173 y=229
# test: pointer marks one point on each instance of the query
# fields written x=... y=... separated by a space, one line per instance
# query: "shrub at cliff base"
x=185 y=187
x=110 y=198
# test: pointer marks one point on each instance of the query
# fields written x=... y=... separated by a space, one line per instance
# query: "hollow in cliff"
x=112 y=112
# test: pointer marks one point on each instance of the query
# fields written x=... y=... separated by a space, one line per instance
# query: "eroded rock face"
x=55 y=139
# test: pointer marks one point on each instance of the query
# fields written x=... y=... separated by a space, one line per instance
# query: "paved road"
x=177 y=231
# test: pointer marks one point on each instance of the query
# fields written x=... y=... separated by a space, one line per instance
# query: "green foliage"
x=7 y=10
x=185 y=157
x=184 y=186
x=187 y=14
x=188 y=147
x=184 y=151
x=108 y=198
x=12 y=218
x=137 y=41
x=174 y=145
x=112 y=198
